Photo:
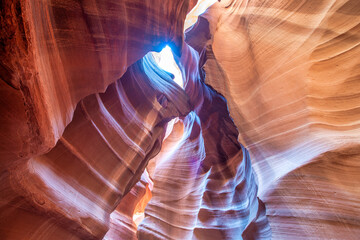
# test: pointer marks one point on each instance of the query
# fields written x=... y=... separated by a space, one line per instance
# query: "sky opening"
x=165 y=60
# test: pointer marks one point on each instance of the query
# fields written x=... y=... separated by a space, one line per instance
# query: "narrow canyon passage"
x=251 y=133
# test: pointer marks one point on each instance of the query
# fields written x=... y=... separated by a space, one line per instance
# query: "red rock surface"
x=83 y=112
x=101 y=154
x=122 y=225
x=290 y=72
x=55 y=53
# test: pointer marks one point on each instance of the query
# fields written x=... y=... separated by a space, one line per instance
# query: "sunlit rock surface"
x=55 y=53
x=216 y=192
x=290 y=72
x=122 y=224
x=82 y=116
x=319 y=200
x=99 y=158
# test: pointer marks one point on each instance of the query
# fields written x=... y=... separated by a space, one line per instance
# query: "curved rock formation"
x=99 y=158
x=122 y=225
x=292 y=84
x=55 y=53
x=216 y=192
x=319 y=200
x=84 y=109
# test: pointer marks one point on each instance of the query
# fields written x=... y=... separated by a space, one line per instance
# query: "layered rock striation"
x=55 y=53
x=84 y=109
x=290 y=73
x=216 y=192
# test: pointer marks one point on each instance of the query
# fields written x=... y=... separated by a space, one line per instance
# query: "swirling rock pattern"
x=81 y=116
x=290 y=72
x=122 y=225
x=319 y=200
x=99 y=158
x=216 y=192
x=55 y=53
x=298 y=89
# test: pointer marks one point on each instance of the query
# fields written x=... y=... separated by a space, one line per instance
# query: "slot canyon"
x=179 y=119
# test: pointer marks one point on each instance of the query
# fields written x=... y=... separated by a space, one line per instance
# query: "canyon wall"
x=204 y=186
x=55 y=53
x=85 y=110
x=290 y=71
x=57 y=60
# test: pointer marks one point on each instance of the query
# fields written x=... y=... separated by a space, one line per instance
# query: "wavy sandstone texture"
x=85 y=110
x=122 y=225
x=216 y=193
x=100 y=156
x=290 y=71
x=69 y=192
x=55 y=53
